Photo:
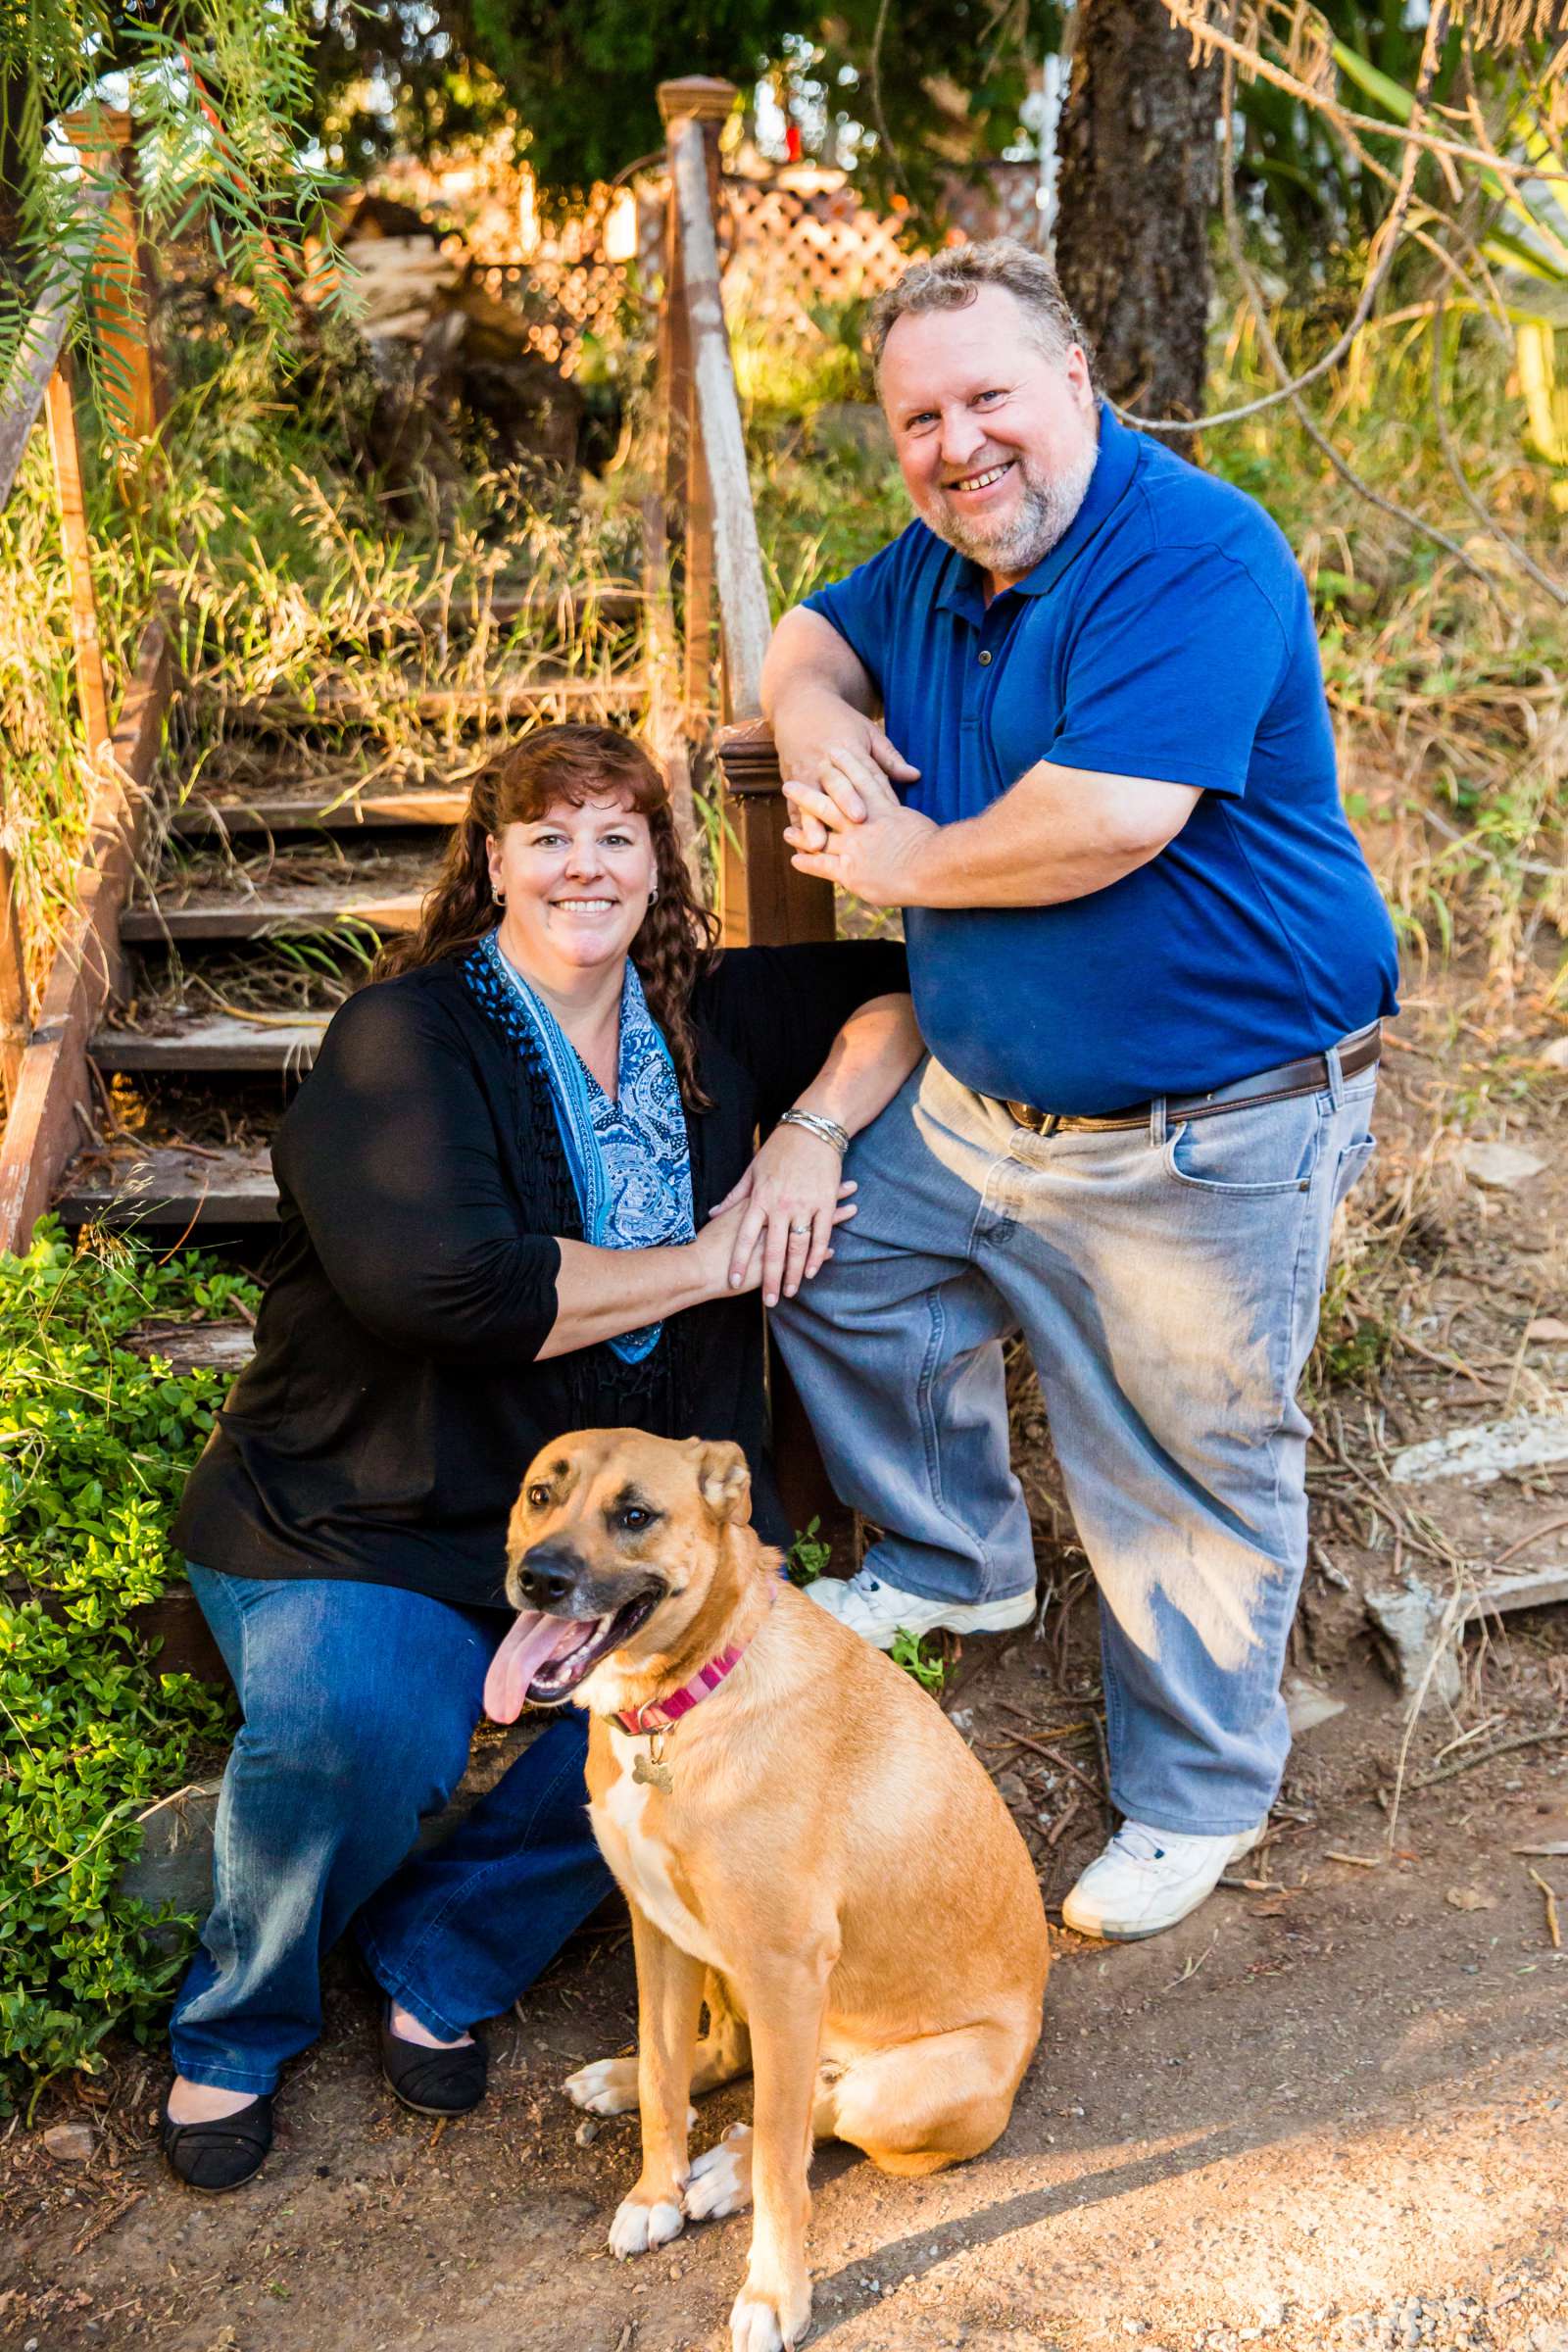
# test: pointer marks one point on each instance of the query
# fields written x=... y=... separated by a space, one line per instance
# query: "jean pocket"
x=1255 y=1152
x=1351 y=1162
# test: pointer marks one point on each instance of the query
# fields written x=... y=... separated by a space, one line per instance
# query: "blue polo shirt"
x=1169 y=634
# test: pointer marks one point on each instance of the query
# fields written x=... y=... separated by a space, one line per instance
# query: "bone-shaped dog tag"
x=649 y=1773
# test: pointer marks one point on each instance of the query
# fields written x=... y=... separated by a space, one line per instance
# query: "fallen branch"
x=1054 y=1834
x=106 y=2222
x=1552 y=1928
x=1053 y=1756
x=1504 y=1747
x=1548 y=1528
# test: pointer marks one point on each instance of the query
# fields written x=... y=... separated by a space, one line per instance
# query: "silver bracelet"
x=815 y=1124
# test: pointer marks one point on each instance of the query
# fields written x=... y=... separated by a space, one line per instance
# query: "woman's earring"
x=497 y=896
x=653 y=895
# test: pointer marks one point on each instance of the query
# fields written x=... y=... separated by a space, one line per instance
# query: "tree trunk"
x=1136 y=189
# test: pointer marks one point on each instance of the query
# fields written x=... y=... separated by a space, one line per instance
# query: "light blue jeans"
x=1167 y=1281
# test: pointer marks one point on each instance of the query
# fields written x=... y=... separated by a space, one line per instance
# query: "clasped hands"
x=849 y=826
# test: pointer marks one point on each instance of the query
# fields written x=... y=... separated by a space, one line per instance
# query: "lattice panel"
x=792 y=249
x=786 y=248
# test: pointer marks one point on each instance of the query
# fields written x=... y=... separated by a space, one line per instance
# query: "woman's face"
x=576 y=884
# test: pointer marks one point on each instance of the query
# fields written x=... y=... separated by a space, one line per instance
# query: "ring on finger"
x=800 y=1229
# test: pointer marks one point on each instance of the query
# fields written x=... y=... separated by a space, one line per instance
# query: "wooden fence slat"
x=50 y=1108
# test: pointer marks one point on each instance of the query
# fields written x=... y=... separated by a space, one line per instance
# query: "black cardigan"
x=383 y=1427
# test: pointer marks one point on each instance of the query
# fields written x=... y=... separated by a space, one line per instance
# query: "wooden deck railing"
x=43 y=1062
x=708 y=498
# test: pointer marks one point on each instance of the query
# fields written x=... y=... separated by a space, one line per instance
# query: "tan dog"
x=811 y=1849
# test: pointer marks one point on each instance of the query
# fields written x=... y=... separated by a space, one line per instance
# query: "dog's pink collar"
x=660 y=1714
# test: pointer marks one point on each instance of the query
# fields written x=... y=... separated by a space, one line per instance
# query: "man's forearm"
x=1060 y=833
x=807 y=656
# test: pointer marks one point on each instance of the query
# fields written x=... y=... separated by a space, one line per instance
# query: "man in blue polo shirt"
x=1073 y=722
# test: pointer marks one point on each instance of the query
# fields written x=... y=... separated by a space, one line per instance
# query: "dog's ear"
x=724 y=1482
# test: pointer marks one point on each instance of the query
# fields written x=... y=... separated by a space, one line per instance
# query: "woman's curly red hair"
x=677 y=941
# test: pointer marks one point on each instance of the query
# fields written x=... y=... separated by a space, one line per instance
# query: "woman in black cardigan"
x=518 y=1195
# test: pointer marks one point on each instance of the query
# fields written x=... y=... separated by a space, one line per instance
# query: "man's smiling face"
x=995 y=436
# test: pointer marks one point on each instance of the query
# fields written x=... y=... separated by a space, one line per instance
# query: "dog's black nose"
x=548 y=1574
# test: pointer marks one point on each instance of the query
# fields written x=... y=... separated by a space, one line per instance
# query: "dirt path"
x=1331 y=2111
x=1336 y=2115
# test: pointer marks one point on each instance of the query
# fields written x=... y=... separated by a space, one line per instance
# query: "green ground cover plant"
x=95 y=1440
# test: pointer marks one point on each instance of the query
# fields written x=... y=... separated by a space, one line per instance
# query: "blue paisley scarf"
x=630 y=1159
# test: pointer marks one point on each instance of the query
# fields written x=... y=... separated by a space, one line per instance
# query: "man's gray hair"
x=951 y=281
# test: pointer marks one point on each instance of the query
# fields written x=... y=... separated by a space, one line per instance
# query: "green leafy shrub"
x=928 y=1667
x=95 y=1441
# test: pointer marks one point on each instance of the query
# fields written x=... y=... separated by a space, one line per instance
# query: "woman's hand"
x=715 y=1253
x=790 y=1198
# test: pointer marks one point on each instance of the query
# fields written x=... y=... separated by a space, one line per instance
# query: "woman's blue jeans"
x=360 y=1701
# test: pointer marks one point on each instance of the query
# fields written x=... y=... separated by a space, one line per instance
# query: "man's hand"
x=852 y=830
x=813 y=728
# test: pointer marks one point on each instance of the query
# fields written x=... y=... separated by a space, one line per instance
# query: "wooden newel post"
x=120 y=282
x=688 y=492
x=763 y=901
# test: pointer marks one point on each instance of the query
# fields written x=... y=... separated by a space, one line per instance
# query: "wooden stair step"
x=195 y=1346
x=171 y=1187
x=531 y=696
x=212 y=915
x=212 y=1044
x=227 y=815
x=561 y=605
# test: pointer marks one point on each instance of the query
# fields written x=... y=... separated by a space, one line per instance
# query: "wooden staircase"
x=244 y=861
x=215 y=1020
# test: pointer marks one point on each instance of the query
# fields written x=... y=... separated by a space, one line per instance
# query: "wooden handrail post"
x=737 y=554
x=121 y=279
x=77 y=541
x=15 y=1021
x=708 y=104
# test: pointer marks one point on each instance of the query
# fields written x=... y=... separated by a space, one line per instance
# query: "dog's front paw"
x=721 y=2178
x=771 y=2323
x=643 y=2223
x=608 y=2087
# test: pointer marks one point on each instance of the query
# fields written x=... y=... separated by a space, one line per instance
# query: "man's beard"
x=1045 y=512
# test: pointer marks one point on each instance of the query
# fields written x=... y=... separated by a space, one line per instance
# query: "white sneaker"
x=1147 y=1878
x=879 y=1611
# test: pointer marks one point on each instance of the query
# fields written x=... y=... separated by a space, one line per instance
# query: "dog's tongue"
x=532 y=1638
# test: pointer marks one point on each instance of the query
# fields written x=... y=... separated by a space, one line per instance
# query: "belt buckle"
x=1033 y=1121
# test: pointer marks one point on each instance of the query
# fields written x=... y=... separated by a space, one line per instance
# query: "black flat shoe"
x=216 y=2157
x=433 y=2081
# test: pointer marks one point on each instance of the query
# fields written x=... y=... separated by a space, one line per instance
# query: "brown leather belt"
x=1309 y=1076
